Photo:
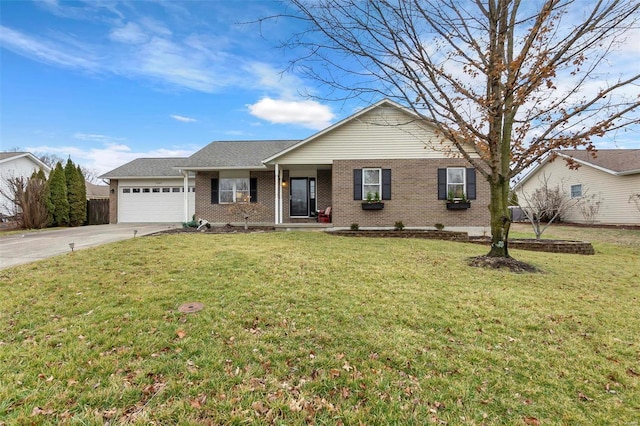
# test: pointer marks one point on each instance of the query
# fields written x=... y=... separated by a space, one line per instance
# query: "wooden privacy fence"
x=97 y=212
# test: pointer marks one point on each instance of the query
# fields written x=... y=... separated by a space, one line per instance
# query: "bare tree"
x=589 y=208
x=247 y=210
x=503 y=81
x=545 y=204
x=90 y=175
x=635 y=199
x=28 y=197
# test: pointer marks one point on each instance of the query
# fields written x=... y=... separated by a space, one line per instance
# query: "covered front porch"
x=300 y=192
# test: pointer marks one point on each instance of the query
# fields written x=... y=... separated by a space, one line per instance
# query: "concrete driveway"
x=20 y=248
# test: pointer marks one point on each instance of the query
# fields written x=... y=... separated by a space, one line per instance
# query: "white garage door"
x=153 y=204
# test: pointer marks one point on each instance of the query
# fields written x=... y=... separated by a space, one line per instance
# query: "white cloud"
x=108 y=157
x=96 y=138
x=44 y=50
x=309 y=114
x=131 y=33
x=183 y=118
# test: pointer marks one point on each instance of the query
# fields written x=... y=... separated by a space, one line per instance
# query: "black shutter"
x=357 y=184
x=471 y=184
x=386 y=184
x=214 y=191
x=442 y=184
x=253 y=190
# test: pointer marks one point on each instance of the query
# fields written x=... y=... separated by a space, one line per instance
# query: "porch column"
x=185 y=197
x=277 y=194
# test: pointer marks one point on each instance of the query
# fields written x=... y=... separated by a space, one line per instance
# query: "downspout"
x=185 y=174
x=277 y=194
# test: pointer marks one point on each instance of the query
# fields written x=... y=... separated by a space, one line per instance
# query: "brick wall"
x=323 y=197
x=113 y=200
x=218 y=213
x=414 y=195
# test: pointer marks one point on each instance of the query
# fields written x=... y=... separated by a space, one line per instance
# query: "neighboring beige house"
x=385 y=149
x=12 y=165
x=610 y=179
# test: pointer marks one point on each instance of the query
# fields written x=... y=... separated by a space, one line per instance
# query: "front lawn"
x=303 y=327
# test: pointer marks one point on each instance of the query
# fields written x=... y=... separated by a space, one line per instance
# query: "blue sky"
x=110 y=82
x=107 y=82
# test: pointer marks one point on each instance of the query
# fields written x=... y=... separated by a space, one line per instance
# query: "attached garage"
x=151 y=203
x=150 y=190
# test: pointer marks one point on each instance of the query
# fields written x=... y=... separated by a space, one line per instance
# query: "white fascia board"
x=215 y=169
x=531 y=172
x=142 y=177
x=586 y=163
x=32 y=157
x=338 y=124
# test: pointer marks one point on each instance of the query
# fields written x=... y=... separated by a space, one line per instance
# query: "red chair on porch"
x=324 y=216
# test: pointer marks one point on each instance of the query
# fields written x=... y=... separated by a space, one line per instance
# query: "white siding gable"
x=612 y=191
x=385 y=132
x=21 y=166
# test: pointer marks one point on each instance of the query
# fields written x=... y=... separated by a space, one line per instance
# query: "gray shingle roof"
x=5 y=155
x=617 y=160
x=147 y=167
x=241 y=154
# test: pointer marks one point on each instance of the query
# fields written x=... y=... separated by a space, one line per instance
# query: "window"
x=371 y=180
x=155 y=190
x=233 y=190
x=576 y=191
x=146 y=190
x=166 y=190
x=126 y=190
x=456 y=183
x=136 y=190
x=176 y=189
x=371 y=183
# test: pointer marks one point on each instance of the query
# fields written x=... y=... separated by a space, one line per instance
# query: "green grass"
x=306 y=327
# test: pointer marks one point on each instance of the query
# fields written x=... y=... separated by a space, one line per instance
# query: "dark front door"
x=299 y=197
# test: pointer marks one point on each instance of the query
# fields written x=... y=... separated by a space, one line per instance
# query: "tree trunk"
x=500 y=218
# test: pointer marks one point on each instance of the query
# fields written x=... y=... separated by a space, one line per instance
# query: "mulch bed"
x=509 y=263
x=226 y=229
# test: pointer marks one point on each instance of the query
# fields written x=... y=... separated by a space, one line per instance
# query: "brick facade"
x=219 y=213
x=113 y=201
x=414 y=195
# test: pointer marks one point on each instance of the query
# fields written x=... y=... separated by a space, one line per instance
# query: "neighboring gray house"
x=610 y=179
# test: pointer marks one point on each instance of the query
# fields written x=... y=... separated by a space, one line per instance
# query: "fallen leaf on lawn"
x=37 y=411
x=345 y=392
x=334 y=372
x=584 y=397
x=72 y=382
x=296 y=406
x=199 y=401
x=347 y=367
x=181 y=334
x=531 y=421
x=259 y=407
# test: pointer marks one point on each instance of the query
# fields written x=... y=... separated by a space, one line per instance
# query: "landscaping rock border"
x=433 y=235
x=550 y=246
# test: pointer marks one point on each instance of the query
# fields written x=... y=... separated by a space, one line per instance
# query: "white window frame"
x=237 y=195
x=365 y=191
x=457 y=184
x=575 y=194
